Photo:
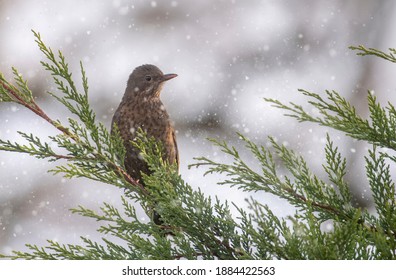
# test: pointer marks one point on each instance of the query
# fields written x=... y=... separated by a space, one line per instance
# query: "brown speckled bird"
x=141 y=107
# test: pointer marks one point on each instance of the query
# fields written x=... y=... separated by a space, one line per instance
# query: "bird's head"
x=146 y=81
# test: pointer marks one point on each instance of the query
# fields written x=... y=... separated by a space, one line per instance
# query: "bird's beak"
x=168 y=77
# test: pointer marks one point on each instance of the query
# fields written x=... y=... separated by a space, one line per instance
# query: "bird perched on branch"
x=141 y=107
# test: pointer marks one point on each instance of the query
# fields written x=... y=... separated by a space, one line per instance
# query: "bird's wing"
x=176 y=149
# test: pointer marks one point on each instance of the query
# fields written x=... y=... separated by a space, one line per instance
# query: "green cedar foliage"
x=197 y=226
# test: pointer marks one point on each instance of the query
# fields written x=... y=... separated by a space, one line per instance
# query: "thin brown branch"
x=37 y=110
x=315 y=204
x=128 y=178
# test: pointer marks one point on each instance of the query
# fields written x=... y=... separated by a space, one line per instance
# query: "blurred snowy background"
x=229 y=54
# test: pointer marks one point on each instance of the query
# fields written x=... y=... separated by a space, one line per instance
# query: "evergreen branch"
x=339 y=114
x=243 y=177
x=384 y=192
x=336 y=170
x=363 y=51
x=34 y=148
x=61 y=74
x=4 y=90
x=36 y=253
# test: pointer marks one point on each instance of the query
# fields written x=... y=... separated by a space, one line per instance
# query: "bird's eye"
x=148 y=78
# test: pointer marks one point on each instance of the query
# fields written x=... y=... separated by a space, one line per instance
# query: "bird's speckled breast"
x=151 y=116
